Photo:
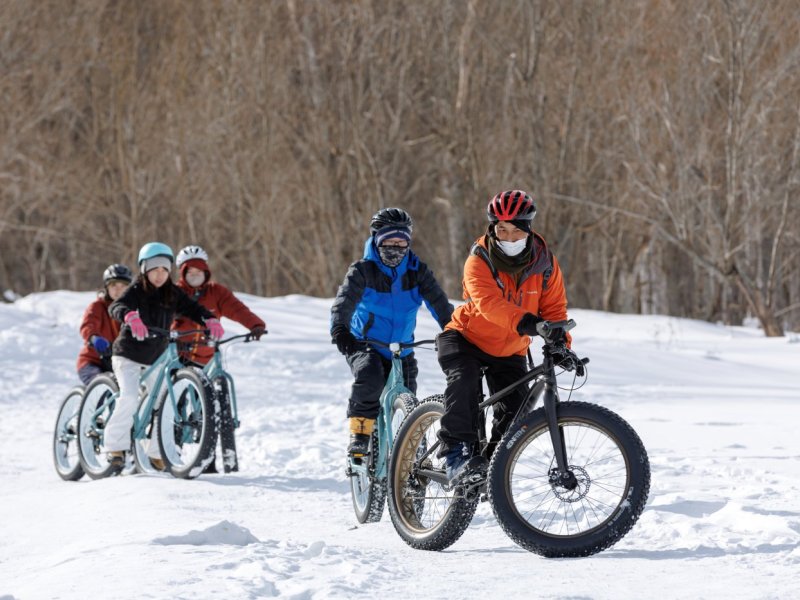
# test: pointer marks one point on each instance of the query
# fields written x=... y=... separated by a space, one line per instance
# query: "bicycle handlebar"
x=544 y=328
x=174 y=334
x=390 y=345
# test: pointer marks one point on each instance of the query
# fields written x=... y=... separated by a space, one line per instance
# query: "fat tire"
x=598 y=422
x=372 y=509
x=227 y=428
x=139 y=447
x=416 y=432
x=65 y=435
x=202 y=428
x=92 y=458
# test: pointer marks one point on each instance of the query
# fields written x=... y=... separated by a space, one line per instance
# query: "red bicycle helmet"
x=513 y=205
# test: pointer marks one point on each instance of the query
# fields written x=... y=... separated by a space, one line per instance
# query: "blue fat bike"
x=226 y=413
x=567 y=479
x=174 y=412
x=65 y=436
x=368 y=475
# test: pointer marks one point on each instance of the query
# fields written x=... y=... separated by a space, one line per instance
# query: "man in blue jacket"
x=379 y=299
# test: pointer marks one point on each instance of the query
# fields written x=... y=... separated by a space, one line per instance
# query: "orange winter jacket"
x=97 y=321
x=491 y=313
x=220 y=301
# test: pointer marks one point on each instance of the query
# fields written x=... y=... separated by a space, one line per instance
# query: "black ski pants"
x=371 y=370
x=461 y=362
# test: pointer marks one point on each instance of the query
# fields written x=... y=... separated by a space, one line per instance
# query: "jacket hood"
x=197 y=263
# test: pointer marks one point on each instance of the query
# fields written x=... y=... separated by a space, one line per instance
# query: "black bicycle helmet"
x=118 y=272
x=391 y=217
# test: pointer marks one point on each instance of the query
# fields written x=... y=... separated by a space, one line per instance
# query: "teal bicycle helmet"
x=153 y=249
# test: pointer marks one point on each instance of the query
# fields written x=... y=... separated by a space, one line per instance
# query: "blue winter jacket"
x=378 y=302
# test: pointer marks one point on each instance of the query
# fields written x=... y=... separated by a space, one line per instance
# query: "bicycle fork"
x=560 y=475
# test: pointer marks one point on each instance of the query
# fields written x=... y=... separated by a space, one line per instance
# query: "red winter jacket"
x=220 y=301
x=96 y=321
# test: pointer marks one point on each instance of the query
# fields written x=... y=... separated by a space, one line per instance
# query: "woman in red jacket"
x=98 y=329
x=511 y=282
x=195 y=280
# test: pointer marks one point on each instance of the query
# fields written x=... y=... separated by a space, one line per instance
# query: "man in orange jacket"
x=195 y=280
x=511 y=282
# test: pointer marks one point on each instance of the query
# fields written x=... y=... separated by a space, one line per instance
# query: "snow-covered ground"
x=718 y=409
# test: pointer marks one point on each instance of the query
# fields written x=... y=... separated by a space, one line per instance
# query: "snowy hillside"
x=717 y=408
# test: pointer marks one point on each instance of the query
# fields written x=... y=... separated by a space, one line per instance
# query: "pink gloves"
x=215 y=330
x=138 y=328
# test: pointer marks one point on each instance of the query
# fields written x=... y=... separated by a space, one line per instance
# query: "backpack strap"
x=480 y=251
x=546 y=276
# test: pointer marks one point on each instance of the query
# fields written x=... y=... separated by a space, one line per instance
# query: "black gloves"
x=344 y=340
x=527 y=324
x=568 y=360
x=256 y=332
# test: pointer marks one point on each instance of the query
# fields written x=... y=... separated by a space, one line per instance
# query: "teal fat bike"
x=226 y=413
x=567 y=479
x=175 y=411
x=368 y=474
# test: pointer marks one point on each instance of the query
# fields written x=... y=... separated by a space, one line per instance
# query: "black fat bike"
x=566 y=479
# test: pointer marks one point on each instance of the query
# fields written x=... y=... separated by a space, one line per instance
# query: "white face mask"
x=196 y=279
x=513 y=248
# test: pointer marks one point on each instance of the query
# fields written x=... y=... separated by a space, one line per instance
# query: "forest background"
x=661 y=140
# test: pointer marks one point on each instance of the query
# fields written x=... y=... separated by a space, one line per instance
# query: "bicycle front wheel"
x=96 y=409
x=369 y=493
x=66 y=455
x=585 y=515
x=426 y=514
x=184 y=425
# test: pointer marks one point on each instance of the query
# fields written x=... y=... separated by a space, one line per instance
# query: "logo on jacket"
x=515 y=299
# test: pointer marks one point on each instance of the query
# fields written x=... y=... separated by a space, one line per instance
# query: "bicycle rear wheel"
x=96 y=409
x=612 y=481
x=184 y=427
x=426 y=514
x=369 y=493
x=66 y=455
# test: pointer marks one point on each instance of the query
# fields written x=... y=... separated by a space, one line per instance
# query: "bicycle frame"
x=394 y=387
x=167 y=362
x=545 y=385
x=214 y=369
x=163 y=366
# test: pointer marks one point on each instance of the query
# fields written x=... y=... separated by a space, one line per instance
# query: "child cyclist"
x=379 y=299
x=152 y=300
x=195 y=280
x=98 y=329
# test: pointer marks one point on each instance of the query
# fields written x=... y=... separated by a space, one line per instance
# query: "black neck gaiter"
x=512 y=265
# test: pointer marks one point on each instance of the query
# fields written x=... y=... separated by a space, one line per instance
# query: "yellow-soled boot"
x=360 y=432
